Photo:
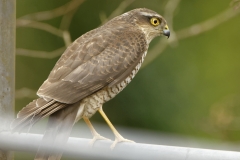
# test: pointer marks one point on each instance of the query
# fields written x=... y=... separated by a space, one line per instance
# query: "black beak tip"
x=166 y=33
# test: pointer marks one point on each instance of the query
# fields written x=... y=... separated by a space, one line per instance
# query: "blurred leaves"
x=224 y=118
x=235 y=4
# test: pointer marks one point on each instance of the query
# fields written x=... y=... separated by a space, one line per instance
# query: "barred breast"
x=95 y=101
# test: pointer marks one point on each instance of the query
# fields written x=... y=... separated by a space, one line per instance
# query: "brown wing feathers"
x=97 y=66
x=91 y=63
x=79 y=73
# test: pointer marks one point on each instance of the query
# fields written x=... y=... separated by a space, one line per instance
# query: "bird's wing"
x=94 y=61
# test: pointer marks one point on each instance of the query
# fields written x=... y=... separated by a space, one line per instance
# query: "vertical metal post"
x=7 y=66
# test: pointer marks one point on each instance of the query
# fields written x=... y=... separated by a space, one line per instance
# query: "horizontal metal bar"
x=78 y=147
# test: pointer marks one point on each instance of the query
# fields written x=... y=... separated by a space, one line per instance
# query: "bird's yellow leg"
x=96 y=136
x=118 y=137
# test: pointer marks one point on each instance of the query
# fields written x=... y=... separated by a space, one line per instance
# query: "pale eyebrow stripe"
x=148 y=14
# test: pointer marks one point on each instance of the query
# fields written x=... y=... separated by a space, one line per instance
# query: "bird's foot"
x=120 y=139
x=97 y=137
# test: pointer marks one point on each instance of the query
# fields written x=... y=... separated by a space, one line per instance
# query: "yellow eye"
x=155 y=21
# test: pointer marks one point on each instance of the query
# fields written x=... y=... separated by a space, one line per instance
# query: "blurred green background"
x=192 y=88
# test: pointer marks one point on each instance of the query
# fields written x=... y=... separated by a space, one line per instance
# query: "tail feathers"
x=35 y=105
x=58 y=130
x=33 y=112
x=61 y=120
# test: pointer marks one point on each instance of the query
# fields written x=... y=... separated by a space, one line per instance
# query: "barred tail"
x=61 y=120
x=33 y=112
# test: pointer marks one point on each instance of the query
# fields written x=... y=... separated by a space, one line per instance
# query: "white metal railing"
x=80 y=148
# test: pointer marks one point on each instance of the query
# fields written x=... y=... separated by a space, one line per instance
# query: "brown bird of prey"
x=93 y=69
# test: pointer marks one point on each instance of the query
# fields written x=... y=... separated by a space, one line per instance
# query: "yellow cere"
x=166 y=27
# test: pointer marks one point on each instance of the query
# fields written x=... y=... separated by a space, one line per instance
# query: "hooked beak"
x=166 y=31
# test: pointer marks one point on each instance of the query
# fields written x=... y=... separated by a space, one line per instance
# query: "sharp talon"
x=119 y=140
x=96 y=138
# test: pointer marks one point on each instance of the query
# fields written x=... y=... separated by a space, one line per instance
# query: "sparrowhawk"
x=93 y=69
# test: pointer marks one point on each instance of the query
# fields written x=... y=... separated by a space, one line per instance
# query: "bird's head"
x=150 y=22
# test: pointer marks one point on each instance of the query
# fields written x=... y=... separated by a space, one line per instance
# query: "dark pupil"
x=155 y=21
